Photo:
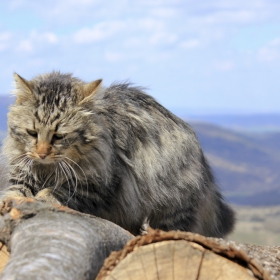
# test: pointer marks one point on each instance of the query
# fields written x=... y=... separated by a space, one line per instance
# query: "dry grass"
x=257 y=225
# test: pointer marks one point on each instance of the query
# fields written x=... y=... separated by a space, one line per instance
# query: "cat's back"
x=127 y=103
x=154 y=140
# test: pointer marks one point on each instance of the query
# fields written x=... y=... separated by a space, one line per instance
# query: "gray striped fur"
x=123 y=156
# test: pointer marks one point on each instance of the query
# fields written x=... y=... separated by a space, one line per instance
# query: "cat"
x=114 y=152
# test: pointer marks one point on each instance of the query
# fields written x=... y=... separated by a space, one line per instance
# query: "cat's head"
x=51 y=117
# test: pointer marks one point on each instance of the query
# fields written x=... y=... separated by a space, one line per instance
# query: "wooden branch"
x=180 y=255
x=54 y=242
x=4 y=256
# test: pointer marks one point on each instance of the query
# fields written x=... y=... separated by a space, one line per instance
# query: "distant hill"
x=266 y=198
x=247 y=167
x=269 y=140
x=245 y=123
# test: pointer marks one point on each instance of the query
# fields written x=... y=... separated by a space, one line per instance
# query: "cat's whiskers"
x=29 y=163
x=80 y=169
x=16 y=164
x=73 y=171
x=22 y=155
x=22 y=167
x=64 y=159
x=30 y=155
x=30 y=166
x=65 y=174
x=51 y=173
x=22 y=164
x=70 y=171
x=19 y=164
x=57 y=176
x=69 y=174
x=7 y=167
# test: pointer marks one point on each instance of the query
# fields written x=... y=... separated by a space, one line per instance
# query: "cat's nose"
x=42 y=156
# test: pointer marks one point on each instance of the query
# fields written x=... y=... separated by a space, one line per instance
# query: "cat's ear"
x=23 y=89
x=89 y=90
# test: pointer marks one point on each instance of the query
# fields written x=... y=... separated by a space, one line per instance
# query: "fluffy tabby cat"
x=111 y=152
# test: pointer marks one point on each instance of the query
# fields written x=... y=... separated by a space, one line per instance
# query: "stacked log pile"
x=45 y=241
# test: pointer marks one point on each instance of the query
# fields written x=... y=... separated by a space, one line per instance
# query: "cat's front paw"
x=144 y=227
x=16 y=191
x=46 y=195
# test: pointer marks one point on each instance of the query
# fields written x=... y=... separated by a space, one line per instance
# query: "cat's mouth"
x=44 y=158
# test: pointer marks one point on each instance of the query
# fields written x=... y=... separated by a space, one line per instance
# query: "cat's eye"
x=58 y=136
x=32 y=133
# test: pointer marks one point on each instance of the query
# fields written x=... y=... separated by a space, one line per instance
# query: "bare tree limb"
x=49 y=242
x=55 y=242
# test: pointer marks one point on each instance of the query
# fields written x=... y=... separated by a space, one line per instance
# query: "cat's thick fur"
x=112 y=152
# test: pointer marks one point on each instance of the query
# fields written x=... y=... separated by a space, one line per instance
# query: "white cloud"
x=236 y=17
x=50 y=37
x=165 y=13
x=64 y=12
x=270 y=52
x=133 y=42
x=149 y=24
x=129 y=33
x=35 y=41
x=163 y=38
x=113 y=56
x=99 y=32
x=190 y=44
x=213 y=11
x=44 y=37
x=15 y=4
x=224 y=66
x=5 y=39
x=25 y=46
x=179 y=41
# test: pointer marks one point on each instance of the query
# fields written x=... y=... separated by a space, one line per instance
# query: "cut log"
x=4 y=256
x=179 y=255
x=49 y=242
x=55 y=242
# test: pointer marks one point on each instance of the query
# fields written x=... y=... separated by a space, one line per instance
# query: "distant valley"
x=246 y=166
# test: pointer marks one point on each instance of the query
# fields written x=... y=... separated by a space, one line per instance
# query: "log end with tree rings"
x=179 y=255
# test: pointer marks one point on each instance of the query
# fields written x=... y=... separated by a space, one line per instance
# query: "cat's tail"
x=215 y=217
x=225 y=219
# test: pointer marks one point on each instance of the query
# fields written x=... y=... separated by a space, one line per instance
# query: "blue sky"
x=199 y=56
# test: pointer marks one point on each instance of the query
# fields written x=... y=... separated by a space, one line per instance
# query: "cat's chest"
x=43 y=179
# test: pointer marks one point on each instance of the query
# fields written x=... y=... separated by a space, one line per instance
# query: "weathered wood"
x=179 y=255
x=54 y=242
x=4 y=256
x=49 y=242
x=268 y=257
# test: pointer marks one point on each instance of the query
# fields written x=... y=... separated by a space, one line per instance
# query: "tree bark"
x=4 y=256
x=180 y=255
x=54 y=242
